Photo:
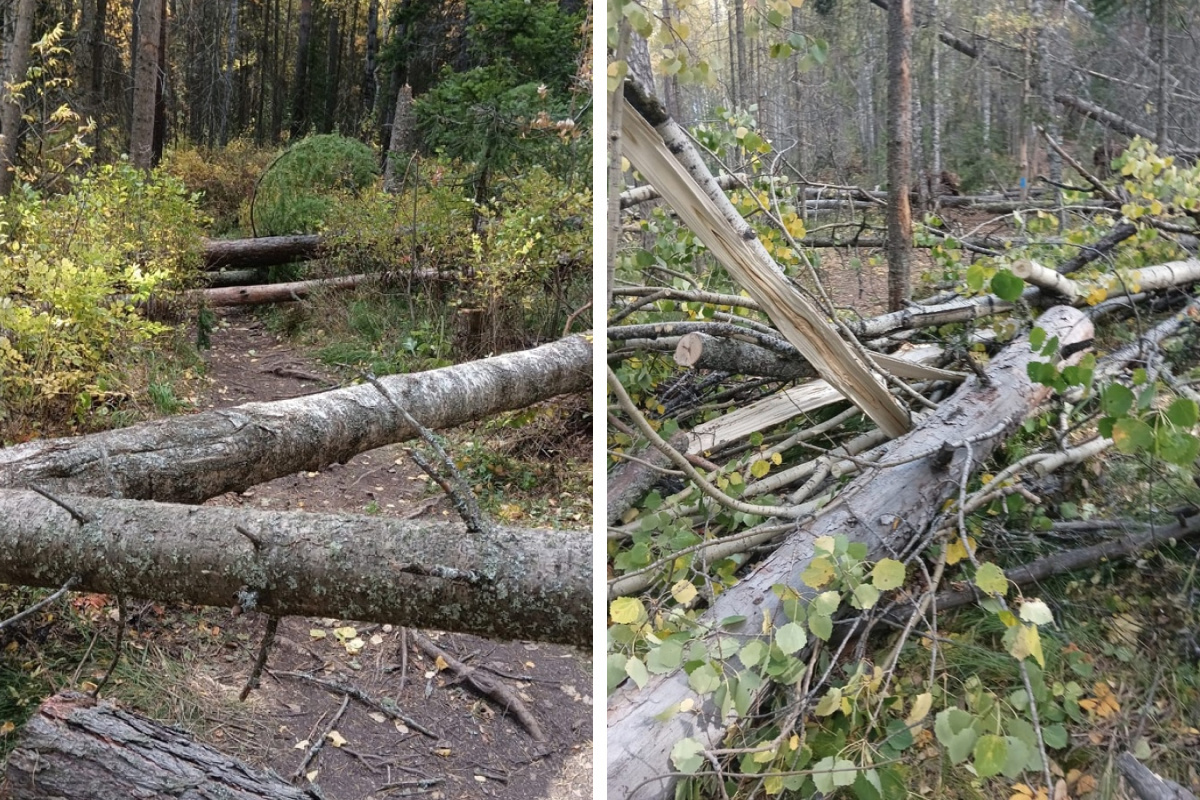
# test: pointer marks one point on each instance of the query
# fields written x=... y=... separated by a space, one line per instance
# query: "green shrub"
x=76 y=267
x=301 y=187
x=224 y=179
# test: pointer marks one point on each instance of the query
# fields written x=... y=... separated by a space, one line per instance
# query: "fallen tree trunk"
x=265 y=251
x=1146 y=784
x=76 y=749
x=508 y=583
x=192 y=458
x=273 y=292
x=867 y=510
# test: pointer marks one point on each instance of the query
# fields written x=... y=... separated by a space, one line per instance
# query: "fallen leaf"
x=311 y=777
x=301 y=745
x=316 y=633
x=440 y=663
x=336 y=739
x=444 y=752
x=378 y=717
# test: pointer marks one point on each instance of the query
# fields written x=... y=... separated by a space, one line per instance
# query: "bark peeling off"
x=514 y=583
x=192 y=458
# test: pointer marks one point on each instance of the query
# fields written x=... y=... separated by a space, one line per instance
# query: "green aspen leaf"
x=819 y=572
x=760 y=468
x=1037 y=337
x=616 y=670
x=1037 y=612
x=990 y=579
x=831 y=703
x=821 y=626
x=664 y=658
x=1015 y=758
x=822 y=777
x=1055 y=736
x=867 y=785
x=1131 y=435
x=627 y=611
x=825 y=544
x=959 y=747
x=753 y=653
x=687 y=755
x=864 y=596
x=975 y=278
x=704 y=679
x=790 y=638
x=1023 y=641
x=950 y=722
x=991 y=753
x=1176 y=447
x=1116 y=400
x=1139 y=376
x=887 y=574
x=1007 y=286
x=857 y=550
x=772 y=785
x=826 y=603
x=1066 y=510
x=636 y=670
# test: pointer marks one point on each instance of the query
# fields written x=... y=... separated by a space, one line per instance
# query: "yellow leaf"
x=8 y=728
x=776 y=459
x=440 y=663
x=760 y=468
x=336 y=739
x=627 y=610
x=683 y=592
x=956 y=552
x=921 y=706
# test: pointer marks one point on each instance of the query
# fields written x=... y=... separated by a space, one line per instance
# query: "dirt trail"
x=478 y=751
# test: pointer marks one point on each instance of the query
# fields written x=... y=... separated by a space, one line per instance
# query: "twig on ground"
x=418 y=786
x=498 y=692
x=38 y=606
x=121 y=620
x=318 y=742
x=260 y=662
x=360 y=696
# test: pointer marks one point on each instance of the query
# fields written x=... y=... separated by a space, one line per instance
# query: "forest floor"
x=191 y=663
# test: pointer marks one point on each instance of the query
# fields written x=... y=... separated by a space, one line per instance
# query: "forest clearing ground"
x=187 y=665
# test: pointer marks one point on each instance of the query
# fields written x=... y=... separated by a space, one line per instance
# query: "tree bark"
x=145 y=85
x=899 y=214
x=503 y=583
x=403 y=138
x=370 y=83
x=74 y=748
x=1147 y=785
x=639 y=744
x=264 y=251
x=231 y=52
x=275 y=292
x=301 y=89
x=192 y=458
x=10 y=111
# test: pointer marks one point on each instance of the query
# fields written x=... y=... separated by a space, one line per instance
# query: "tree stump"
x=75 y=748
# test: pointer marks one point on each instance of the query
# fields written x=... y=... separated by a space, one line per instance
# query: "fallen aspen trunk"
x=272 y=292
x=265 y=251
x=74 y=748
x=192 y=458
x=509 y=583
x=881 y=508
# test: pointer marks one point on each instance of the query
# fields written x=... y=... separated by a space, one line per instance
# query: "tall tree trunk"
x=742 y=98
x=300 y=91
x=145 y=85
x=899 y=214
x=403 y=139
x=935 y=99
x=332 y=68
x=231 y=52
x=10 y=111
x=369 y=81
x=161 y=87
x=615 y=175
x=1162 y=95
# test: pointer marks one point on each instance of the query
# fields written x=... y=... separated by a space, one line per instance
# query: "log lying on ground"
x=272 y=292
x=510 y=583
x=1146 y=784
x=265 y=251
x=74 y=748
x=192 y=458
x=881 y=508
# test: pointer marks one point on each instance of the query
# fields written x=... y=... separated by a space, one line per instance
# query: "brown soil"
x=477 y=749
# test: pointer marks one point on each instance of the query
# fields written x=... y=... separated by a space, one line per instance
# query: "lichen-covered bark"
x=263 y=251
x=189 y=459
x=882 y=508
x=76 y=749
x=511 y=583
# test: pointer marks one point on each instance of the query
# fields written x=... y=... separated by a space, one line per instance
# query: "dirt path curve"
x=479 y=751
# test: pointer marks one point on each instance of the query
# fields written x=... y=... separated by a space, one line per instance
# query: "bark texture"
x=868 y=510
x=192 y=458
x=264 y=251
x=145 y=85
x=508 y=583
x=10 y=110
x=76 y=749
x=899 y=153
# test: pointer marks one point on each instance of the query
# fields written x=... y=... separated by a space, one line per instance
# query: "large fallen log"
x=881 y=508
x=265 y=251
x=272 y=292
x=507 y=583
x=192 y=458
x=74 y=748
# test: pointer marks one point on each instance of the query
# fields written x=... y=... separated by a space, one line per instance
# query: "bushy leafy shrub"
x=224 y=178
x=301 y=187
x=75 y=268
